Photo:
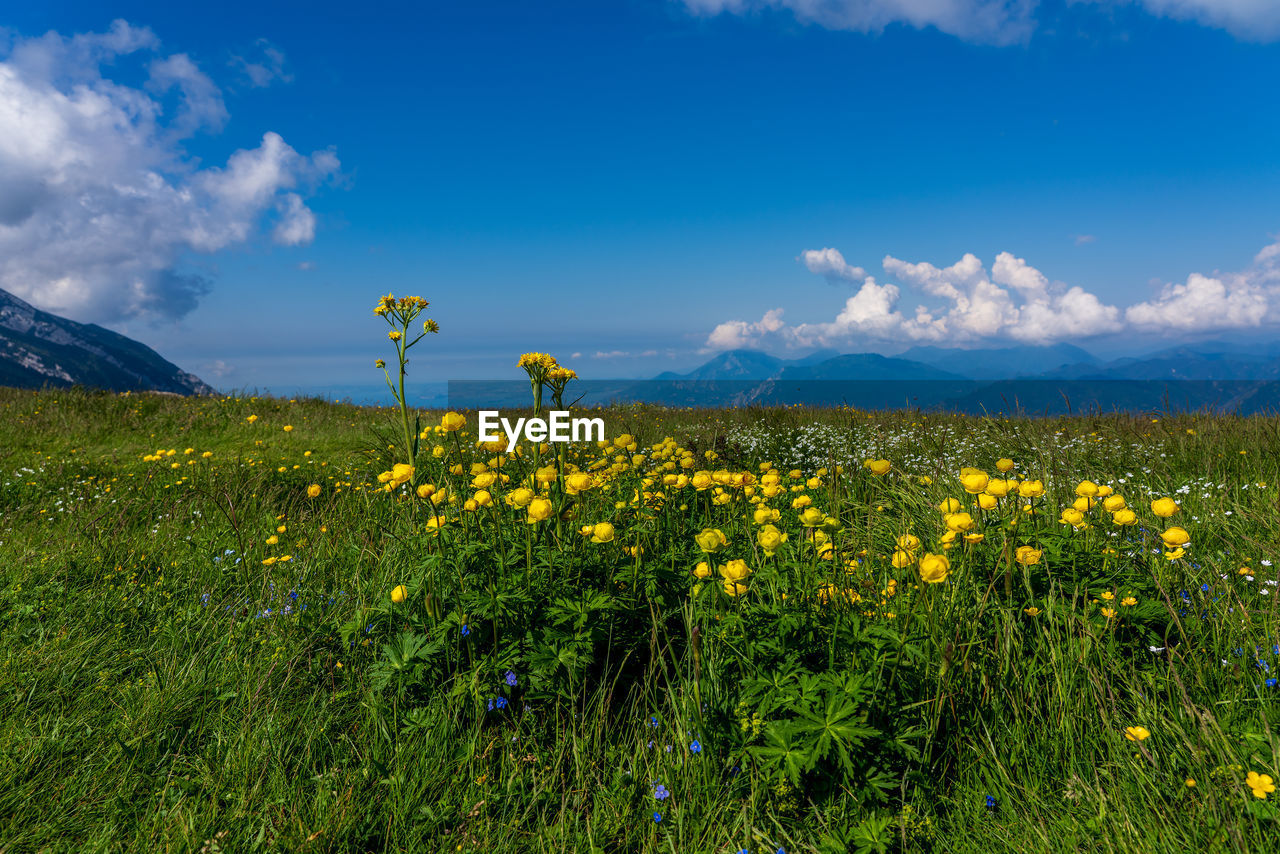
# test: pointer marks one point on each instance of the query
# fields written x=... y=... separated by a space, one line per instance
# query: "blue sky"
x=615 y=179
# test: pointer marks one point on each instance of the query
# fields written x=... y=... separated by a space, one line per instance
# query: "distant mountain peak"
x=38 y=349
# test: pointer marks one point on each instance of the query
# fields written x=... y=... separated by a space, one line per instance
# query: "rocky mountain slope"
x=39 y=349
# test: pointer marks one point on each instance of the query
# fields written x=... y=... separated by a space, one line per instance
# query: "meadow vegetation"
x=246 y=623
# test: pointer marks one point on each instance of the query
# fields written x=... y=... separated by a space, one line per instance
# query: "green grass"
x=160 y=689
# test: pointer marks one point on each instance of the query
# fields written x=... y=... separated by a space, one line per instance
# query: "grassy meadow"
x=244 y=624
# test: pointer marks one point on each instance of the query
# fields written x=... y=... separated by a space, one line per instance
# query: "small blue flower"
x=1204 y=588
x=511 y=679
x=653 y=720
x=991 y=802
x=695 y=747
x=657 y=817
x=466 y=630
x=1271 y=683
x=660 y=792
x=501 y=702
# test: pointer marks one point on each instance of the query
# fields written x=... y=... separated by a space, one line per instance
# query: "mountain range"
x=1049 y=379
x=39 y=349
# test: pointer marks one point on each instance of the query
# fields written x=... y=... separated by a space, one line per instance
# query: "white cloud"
x=202 y=105
x=297 y=225
x=100 y=205
x=1250 y=20
x=999 y=22
x=609 y=354
x=992 y=21
x=739 y=334
x=266 y=66
x=1015 y=301
x=831 y=264
x=1083 y=239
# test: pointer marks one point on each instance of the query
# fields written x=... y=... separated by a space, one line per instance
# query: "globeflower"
x=950 y=505
x=451 y=421
x=770 y=539
x=1005 y=464
x=398 y=594
x=578 y=482
x=908 y=542
x=400 y=473
x=1087 y=489
x=1175 y=537
x=1136 y=733
x=735 y=570
x=540 y=510
x=711 y=540
x=878 y=467
x=313 y=491
x=1112 y=503
x=974 y=481
x=999 y=488
x=1072 y=517
x=602 y=532
x=934 y=569
x=812 y=517
x=766 y=515
x=1124 y=516
x=958 y=522
x=1027 y=556
x=1031 y=488
x=1164 y=507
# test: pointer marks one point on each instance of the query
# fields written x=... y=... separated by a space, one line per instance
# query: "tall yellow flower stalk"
x=400 y=314
x=538 y=366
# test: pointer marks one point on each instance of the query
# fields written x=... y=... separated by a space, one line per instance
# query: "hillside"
x=39 y=349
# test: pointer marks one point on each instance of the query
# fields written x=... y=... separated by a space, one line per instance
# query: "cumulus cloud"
x=999 y=22
x=100 y=206
x=736 y=334
x=831 y=264
x=1013 y=302
x=1244 y=300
